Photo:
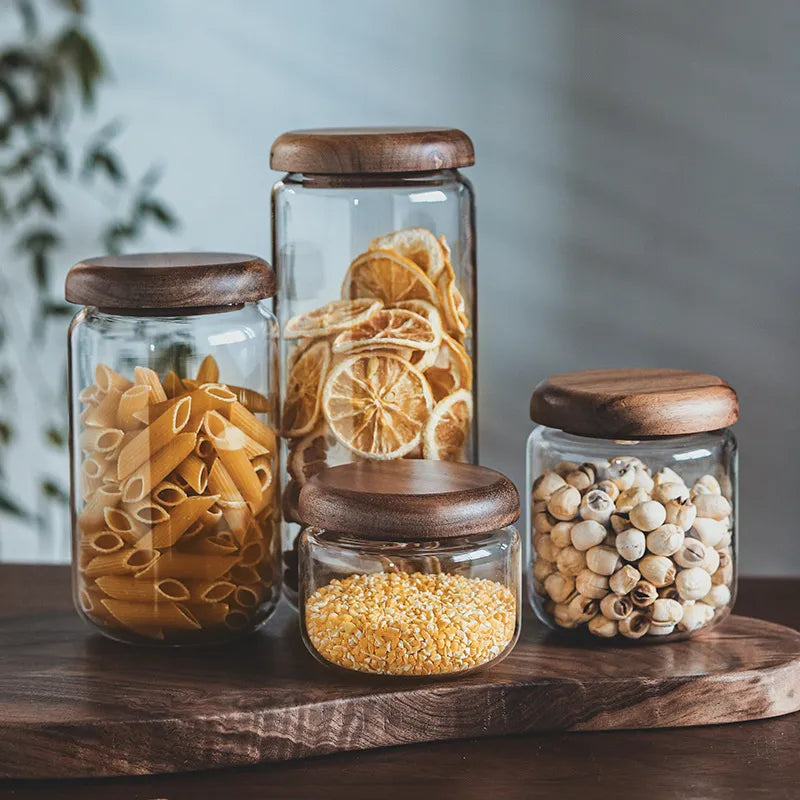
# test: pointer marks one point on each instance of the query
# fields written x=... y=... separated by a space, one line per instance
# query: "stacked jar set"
x=235 y=431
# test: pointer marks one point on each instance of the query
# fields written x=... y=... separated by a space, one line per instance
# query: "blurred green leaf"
x=11 y=507
x=102 y=161
x=6 y=431
x=30 y=21
x=37 y=240
x=158 y=212
x=53 y=491
x=38 y=195
x=76 y=49
x=52 y=309
x=56 y=437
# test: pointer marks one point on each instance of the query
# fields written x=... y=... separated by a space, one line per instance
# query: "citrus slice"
x=417 y=244
x=332 y=317
x=389 y=277
x=304 y=388
x=392 y=327
x=376 y=404
x=451 y=371
x=422 y=359
x=446 y=432
x=309 y=455
x=452 y=302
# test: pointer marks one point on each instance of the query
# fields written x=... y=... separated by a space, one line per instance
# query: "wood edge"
x=196 y=758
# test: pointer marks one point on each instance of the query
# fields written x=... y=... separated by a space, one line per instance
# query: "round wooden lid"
x=352 y=151
x=634 y=403
x=409 y=499
x=169 y=280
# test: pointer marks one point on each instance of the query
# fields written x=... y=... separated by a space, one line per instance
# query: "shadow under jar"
x=374 y=249
x=174 y=462
x=410 y=568
x=632 y=502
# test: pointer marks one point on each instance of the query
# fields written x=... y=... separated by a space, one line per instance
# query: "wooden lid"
x=634 y=403
x=352 y=151
x=409 y=499
x=169 y=280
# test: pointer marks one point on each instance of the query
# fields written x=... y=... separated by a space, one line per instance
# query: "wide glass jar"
x=410 y=568
x=632 y=502
x=374 y=249
x=174 y=464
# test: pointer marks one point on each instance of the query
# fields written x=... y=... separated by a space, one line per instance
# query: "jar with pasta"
x=174 y=462
x=374 y=247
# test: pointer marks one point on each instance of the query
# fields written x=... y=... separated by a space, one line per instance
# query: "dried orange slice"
x=376 y=404
x=392 y=327
x=452 y=302
x=422 y=359
x=446 y=432
x=309 y=455
x=332 y=317
x=451 y=371
x=389 y=277
x=303 y=390
x=417 y=244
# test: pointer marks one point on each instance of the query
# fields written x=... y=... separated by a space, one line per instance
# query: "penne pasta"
x=211 y=516
x=94 y=467
x=154 y=470
x=100 y=440
x=134 y=399
x=237 y=619
x=124 y=524
x=211 y=397
x=252 y=554
x=126 y=587
x=209 y=615
x=211 y=545
x=104 y=414
x=103 y=542
x=172 y=384
x=210 y=591
x=228 y=443
x=251 y=595
x=208 y=371
x=107 y=379
x=147 y=512
x=251 y=400
x=167 y=533
x=253 y=427
x=173 y=564
x=194 y=530
x=120 y=563
x=244 y=576
x=89 y=600
x=138 y=616
x=204 y=449
x=153 y=438
x=233 y=506
x=90 y=395
x=144 y=376
x=194 y=471
x=169 y=494
x=92 y=517
x=252 y=449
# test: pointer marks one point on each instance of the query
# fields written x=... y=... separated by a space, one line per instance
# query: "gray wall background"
x=638 y=184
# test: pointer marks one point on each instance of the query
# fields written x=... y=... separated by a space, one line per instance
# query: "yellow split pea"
x=400 y=623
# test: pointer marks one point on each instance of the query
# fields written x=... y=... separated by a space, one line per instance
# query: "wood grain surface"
x=169 y=280
x=75 y=705
x=409 y=499
x=632 y=403
x=346 y=151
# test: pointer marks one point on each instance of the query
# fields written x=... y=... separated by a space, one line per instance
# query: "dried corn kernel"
x=402 y=623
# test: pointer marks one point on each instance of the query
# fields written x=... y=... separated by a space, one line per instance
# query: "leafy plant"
x=50 y=75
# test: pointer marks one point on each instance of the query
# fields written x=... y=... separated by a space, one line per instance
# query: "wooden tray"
x=73 y=704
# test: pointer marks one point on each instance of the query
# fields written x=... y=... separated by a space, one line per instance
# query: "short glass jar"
x=374 y=249
x=174 y=462
x=632 y=503
x=410 y=568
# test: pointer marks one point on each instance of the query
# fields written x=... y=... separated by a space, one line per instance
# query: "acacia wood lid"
x=409 y=500
x=353 y=151
x=634 y=403
x=169 y=280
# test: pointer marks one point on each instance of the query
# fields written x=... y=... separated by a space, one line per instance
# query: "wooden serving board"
x=73 y=704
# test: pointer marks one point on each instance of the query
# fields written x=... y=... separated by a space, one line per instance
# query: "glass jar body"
x=631 y=539
x=174 y=472
x=372 y=379
x=423 y=608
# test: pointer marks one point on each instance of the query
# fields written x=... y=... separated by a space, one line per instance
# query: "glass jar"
x=632 y=488
x=410 y=568
x=374 y=248
x=174 y=462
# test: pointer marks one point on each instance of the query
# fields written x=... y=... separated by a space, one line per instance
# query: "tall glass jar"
x=374 y=249
x=174 y=461
x=410 y=568
x=632 y=503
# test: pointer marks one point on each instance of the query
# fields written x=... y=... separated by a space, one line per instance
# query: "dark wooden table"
x=752 y=760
